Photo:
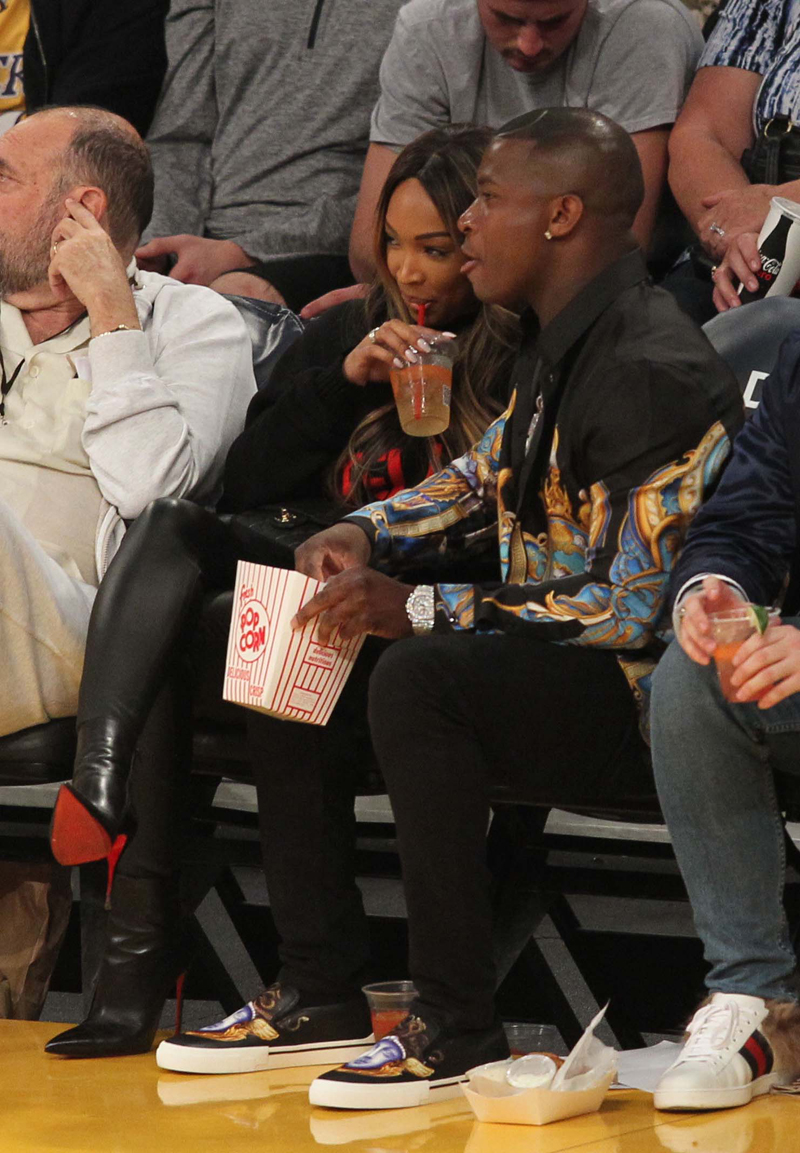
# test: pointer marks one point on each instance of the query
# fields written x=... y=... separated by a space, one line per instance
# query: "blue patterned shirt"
x=761 y=36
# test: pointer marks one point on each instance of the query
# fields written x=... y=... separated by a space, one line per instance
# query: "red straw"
x=417 y=386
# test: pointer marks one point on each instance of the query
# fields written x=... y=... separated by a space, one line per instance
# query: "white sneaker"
x=726 y=1061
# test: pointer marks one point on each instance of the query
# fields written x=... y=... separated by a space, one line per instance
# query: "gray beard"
x=21 y=275
x=26 y=268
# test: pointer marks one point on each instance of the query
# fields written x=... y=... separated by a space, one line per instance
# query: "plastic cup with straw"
x=422 y=389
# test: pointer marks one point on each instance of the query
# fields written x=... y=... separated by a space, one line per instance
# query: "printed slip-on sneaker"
x=420 y=1062
x=272 y=1032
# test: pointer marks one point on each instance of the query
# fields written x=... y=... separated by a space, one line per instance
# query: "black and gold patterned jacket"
x=620 y=421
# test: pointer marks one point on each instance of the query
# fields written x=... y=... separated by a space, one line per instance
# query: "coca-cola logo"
x=770 y=266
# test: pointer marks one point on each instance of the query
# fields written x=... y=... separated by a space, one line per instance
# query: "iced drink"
x=386 y=1021
x=389 y=1003
x=422 y=390
x=730 y=629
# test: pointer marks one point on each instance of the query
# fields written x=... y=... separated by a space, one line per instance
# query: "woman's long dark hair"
x=445 y=162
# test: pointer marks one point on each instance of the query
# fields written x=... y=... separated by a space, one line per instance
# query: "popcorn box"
x=270 y=667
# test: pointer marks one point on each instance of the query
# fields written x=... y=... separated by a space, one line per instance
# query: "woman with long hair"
x=325 y=429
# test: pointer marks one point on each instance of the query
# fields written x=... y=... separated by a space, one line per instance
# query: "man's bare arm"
x=714 y=128
x=379 y=160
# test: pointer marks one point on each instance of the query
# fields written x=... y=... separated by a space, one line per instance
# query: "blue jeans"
x=713 y=764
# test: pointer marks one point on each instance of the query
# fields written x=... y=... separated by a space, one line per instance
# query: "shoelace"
x=711 y=1030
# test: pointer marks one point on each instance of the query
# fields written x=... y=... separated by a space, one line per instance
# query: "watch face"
x=421 y=608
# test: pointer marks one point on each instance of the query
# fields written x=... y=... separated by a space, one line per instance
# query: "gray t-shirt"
x=263 y=122
x=632 y=60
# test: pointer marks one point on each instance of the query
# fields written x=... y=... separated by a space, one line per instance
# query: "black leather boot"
x=91 y=809
x=146 y=608
x=142 y=961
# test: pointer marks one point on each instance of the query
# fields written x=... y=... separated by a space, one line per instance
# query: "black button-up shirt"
x=638 y=414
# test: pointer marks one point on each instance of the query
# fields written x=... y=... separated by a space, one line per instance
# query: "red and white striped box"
x=270 y=667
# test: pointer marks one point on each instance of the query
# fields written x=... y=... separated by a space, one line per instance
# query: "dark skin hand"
x=359 y=600
x=356 y=599
x=333 y=550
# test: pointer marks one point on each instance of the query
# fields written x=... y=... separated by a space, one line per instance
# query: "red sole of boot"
x=76 y=836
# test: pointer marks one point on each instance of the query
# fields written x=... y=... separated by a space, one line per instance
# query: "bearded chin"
x=24 y=274
x=23 y=267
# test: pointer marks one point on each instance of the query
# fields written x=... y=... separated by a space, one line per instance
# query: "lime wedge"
x=758 y=617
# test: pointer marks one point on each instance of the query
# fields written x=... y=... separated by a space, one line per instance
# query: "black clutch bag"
x=270 y=535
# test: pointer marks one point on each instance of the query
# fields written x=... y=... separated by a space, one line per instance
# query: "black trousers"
x=458 y=720
x=307 y=778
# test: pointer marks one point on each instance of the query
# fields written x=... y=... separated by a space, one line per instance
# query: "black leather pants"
x=157 y=639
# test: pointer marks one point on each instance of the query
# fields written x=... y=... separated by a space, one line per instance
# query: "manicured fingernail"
x=411 y=355
x=397 y=362
x=449 y=335
x=752 y=285
x=423 y=344
x=755 y=265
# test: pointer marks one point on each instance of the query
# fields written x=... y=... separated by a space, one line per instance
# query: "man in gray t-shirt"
x=487 y=61
x=259 y=140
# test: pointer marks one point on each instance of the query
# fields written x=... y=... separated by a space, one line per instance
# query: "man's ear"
x=565 y=212
x=93 y=199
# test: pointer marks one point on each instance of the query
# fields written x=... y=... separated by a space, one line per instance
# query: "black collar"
x=556 y=339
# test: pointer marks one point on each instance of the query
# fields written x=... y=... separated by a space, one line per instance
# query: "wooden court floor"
x=52 y=1105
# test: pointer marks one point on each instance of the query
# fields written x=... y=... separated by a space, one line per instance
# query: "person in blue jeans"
x=715 y=761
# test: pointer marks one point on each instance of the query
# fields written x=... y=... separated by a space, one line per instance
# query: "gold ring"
x=54 y=249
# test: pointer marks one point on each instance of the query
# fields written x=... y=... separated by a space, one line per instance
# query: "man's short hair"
x=597 y=158
x=106 y=153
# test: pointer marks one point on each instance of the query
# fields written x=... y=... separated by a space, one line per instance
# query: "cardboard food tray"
x=538 y=1106
x=271 y=668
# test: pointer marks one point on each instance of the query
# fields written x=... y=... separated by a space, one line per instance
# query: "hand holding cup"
x=695 y=633
x=391 y=345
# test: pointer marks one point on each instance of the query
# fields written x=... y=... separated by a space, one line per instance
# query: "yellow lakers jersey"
x=14 y=20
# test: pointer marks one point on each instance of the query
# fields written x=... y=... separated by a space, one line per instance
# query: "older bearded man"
x=116 y=387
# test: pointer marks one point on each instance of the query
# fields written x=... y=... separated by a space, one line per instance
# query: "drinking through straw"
x=422 y=388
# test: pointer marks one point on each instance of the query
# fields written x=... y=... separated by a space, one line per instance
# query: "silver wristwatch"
x=421 y=609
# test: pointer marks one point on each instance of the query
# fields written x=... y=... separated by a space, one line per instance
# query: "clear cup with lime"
x=730 y=628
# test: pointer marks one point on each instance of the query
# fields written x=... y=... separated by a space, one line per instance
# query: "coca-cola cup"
x=779 y=248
